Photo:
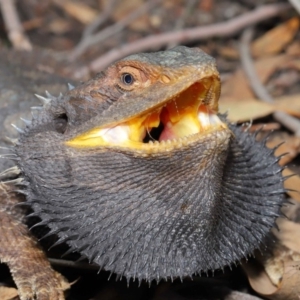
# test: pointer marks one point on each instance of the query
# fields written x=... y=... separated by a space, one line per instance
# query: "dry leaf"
x=272 y=42
x=291 y=146
x=124 y=8
x=7 y=293
x=292 y=183
x=206 y=5
x=78 y=10
x=245 y=110
x=258 y=278
x=229 y=52
x=276 y=275
x=289 y=104
x=59 y=26
x=242 y=110
x=276 y=39
x=294 y=49
x=32 y=24
x=289 y=234
x=292 y=64
x=267 y=127
x=237 y=86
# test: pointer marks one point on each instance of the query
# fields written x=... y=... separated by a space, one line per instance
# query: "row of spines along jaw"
x=46 y=102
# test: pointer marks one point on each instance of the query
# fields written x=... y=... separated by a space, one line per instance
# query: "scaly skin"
x=20 y=78
x=19 y=249
x=203 y=197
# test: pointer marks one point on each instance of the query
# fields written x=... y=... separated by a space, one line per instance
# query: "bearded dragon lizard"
x=136 y=170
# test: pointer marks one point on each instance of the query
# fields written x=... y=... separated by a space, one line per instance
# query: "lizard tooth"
x=17 y=128
x=43 y=99
x=27 y=122
x=150 y=142
x=204 y=119
x=70 y=86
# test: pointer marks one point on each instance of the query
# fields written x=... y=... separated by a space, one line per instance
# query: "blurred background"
x=257 y=48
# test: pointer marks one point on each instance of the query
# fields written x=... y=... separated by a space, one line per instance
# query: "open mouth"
x=184 y=116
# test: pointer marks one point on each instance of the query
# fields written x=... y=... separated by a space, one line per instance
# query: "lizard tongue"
x=185 y=115
x=188 y=124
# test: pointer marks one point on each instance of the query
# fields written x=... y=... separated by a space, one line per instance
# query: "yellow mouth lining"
x=179 y=118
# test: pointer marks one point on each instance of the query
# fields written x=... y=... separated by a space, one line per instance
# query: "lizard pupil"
x=127 y=79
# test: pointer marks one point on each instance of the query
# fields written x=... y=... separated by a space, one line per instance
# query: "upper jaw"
x=112 y=106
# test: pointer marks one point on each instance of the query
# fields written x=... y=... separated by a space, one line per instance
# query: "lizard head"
x=135 y=170
x=169 y=96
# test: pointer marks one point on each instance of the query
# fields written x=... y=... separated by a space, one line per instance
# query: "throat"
x=187 y=125
x=154 y=134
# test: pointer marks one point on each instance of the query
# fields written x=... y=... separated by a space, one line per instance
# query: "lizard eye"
x=127 y=79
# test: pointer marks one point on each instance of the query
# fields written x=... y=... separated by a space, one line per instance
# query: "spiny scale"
x=17 y=128
x=70 y=86
x=12 y=141
x=9 y=156
x=17 y=181
x=44 y=100
x=27 y=122
x=51 y=97
x=13 y=171
x=24 y=192
x=6 y=148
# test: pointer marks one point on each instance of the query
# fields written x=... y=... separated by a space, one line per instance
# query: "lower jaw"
x=213 y=137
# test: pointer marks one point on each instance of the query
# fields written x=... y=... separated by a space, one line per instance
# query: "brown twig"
x=111 y=30
x=222 y=29
x=179 y=24
x=295 y=4
x=288 y=121
x=13 y=26
x=101 y=18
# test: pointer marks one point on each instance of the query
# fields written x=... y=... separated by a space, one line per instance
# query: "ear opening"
x=61 y=123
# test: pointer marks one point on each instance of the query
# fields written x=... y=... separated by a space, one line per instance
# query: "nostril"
x=61 y=123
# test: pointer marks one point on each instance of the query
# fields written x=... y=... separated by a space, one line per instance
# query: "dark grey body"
x=167 y=214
